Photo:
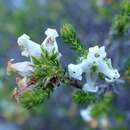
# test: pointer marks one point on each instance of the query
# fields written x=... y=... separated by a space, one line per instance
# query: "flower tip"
x=93 y=49
x=89 y=88
x=75 y=71
x=22 y=38
x=51 y=32
x=102 y=48
x=25 y=36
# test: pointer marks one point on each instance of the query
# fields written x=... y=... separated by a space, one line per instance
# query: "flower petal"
x=90 y=86
x=51 y=33
x=75 y=71
x=22 y=68
x=28 y=47
x=86 y=114
x=50 y=43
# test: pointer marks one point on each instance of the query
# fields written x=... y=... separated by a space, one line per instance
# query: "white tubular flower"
x=50 y=43
x=110 y=73
x=28 y=47
x=96 y=55
x=90 y=86
x=116 y=73
x=94 y=64
x=22 y=68
x=86 y=114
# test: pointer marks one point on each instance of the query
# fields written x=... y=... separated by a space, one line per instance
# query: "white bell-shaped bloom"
x=116 y=72
x=28 y=47
x=21 y=68
x=90 y=85
x=86 y=114
x=75 y=71
x=96 y=55
x=50 y=43
x=107 y=69
x=116 y=76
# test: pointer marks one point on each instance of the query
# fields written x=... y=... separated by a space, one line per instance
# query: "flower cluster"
x=25 y=79
x=95 y=64
x=38 y=77
x=30 y=48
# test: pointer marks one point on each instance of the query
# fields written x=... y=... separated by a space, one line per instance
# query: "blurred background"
x=92 y=20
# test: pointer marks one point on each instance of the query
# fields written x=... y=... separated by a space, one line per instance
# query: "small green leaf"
x=82 y=98
x=68 y=34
